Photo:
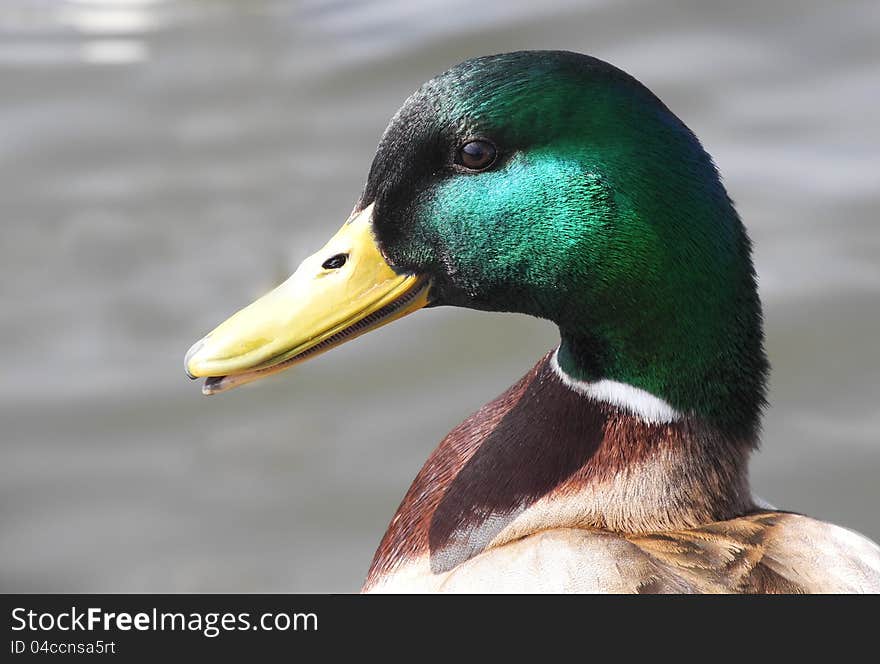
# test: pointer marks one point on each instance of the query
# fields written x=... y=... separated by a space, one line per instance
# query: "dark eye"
x=335 y=262
x=476 y=155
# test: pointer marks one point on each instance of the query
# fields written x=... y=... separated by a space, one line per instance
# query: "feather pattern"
x=547 y=489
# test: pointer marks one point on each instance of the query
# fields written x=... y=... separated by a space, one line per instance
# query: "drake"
x=556 y=185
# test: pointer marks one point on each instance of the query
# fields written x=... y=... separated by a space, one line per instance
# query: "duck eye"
x=335 y=262
x=476 y=155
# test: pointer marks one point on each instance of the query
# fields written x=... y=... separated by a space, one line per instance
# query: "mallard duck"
x=556 y=185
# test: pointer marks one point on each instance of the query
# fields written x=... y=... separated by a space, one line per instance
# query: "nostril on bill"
x=335 y=262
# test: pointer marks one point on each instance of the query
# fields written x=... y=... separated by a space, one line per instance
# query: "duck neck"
x=713 y=369
x=579 y=372
x=557 y=452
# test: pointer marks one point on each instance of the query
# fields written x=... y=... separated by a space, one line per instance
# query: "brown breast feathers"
x=540 y=441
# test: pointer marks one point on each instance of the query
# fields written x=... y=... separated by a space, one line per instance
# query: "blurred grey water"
x=164 y=162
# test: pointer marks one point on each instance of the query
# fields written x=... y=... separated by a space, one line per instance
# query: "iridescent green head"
x=546 y=183
x=555 y=185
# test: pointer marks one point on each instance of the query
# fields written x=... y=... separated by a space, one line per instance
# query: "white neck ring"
x=633 y=400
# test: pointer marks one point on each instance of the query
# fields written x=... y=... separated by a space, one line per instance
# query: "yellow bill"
x=337 y=294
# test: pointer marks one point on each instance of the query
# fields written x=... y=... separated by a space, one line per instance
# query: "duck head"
x=550 y=184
